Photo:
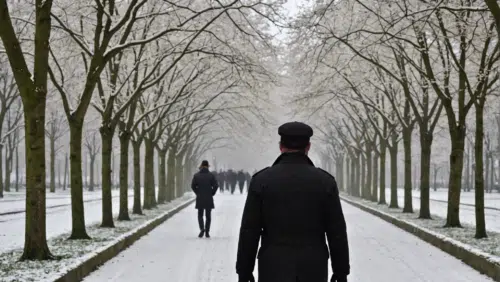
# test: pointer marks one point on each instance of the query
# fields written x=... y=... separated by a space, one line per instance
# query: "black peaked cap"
x=294 y=130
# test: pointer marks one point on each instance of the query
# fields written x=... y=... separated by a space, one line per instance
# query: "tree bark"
x=393 y=151
x=375 y=161
x=425 y=175
x=91 y=176
x=369 y=168
x=383 y=153
x=65 y=171
x=8 y=170
x=479 y=171
x=171 y=175
x=179 y=176
x=17 y=168
x=149 y=181
x=78 y=230
x=362 y=183
x=52 y=165
x=106 y=153
x=137 y=209
x=455 y=177
x=408 y=202
x=124 y=143
x=162 y=169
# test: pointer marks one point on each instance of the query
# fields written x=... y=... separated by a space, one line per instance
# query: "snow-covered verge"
x=71 y=254
x=482 y=254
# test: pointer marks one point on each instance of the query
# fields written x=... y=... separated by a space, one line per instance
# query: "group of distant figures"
x=228 y=180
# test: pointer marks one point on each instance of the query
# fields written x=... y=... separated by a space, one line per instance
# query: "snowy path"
x=379 y=252
x=58 y=222
x=439 y=206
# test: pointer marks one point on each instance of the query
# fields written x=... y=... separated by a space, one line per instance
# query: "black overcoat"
x=290 y=207
x=204 y=185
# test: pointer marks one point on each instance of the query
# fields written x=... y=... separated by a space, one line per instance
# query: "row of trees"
x=163 y=76
x=378 y=72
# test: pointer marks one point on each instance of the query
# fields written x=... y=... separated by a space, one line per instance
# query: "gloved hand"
x=338 y=278
x=246 y=278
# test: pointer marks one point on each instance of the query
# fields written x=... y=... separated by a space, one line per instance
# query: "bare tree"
x=33 y=90
x=93 y=148
x=55 y=129
x=13 y=118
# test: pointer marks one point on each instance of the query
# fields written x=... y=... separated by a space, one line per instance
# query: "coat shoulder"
x=260 y=171
x=332 y=186
x=326 y=173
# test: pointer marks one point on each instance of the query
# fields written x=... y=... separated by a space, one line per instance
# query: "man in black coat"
x=220 y=179
x=248 y=177
x=205 y=186
x=292 y=205
x=232 y=179
x=241 y=180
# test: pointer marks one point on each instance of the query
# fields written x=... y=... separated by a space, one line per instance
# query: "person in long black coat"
x=205 y=186
x=241 y=180
x=220 y=179
x=291 y=206
x=248 y=177
x=232 y=178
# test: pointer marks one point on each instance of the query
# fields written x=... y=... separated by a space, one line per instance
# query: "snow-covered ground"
x=379 y=252
x=15 y=202
x=465 y=235
x=58 y=221
x=71 y=253
x=438 y=206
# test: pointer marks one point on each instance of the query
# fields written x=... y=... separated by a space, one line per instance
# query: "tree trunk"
x=78 y=230
x=1 y=170
x=361 y=183
x=162 y=169
x=383 y=152
x=8 y=170
x=124 y=142
x=369 y=168
x=137 y=209
x=374 y=196
x=91 y=176
x=52 y=165
x=65 y=171
x=455 y=177
x=467 y=168
x=85 y=172
x=179 y=176
x=425 y=174
x=106 y=155
x=479 y=171
x=353 y=176
x=393 y=151
x=408 y=202
x=492 y=174
x=171 y=175
x=347 y=175
x=149 y=185
x=17 y=168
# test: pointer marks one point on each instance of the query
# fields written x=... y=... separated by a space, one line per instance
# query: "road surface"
x=380 y=252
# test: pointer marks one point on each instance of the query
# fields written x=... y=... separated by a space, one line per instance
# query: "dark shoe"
x=201 y=234
x=207 y=234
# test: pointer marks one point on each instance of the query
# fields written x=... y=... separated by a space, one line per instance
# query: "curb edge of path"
x=89 y=265
x=482 y=262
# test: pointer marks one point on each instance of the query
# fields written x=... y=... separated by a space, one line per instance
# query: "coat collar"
x=203 y=169
x=293 y=157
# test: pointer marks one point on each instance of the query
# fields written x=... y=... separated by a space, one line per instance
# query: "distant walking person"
x=291 y=206
x=241 y=180
x=205 y=186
